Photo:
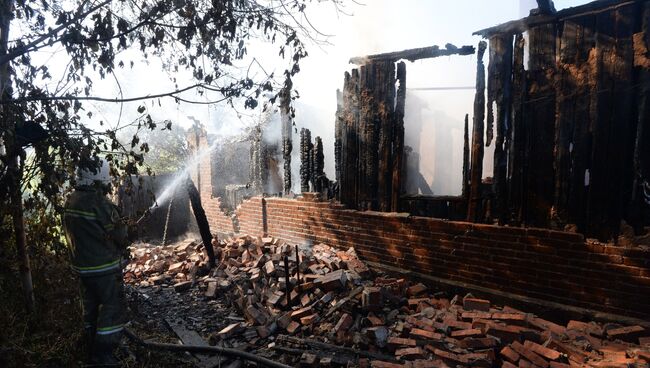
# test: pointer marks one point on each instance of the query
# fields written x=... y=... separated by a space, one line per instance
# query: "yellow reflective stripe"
x=110 y=330
x=96 y=268
x=109 y=226
x=79 y=212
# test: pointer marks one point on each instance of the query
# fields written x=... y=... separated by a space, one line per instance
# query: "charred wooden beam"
x=545 y=7
x=517 y=133
x=345 y=181
x=465 y=188
x=367 y=131
x=287 y=145
x=538 y=120
x=476 y=172
x=319 y=166
x=354 y=139
x=641 y=158
x=256 y=169
x=499 y=94
x=611 y=124
x=386 y=138
x=305 y=159
x=201 y=220
x=525 y=24
x=338 y=126
x=398 y=137
x=414 y=54
x=580 y=55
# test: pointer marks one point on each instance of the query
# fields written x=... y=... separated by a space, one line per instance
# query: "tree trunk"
x=21 y=240
x=15 y=166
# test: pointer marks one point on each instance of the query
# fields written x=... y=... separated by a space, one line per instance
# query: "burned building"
x=562 y=217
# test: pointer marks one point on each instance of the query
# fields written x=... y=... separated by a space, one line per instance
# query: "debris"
x=313 y=307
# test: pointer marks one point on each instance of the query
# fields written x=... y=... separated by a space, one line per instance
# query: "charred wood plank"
x=499 y=95
x=319 y=166
x=386 y=101
x=305 y=159
x=581 y=62
x=476 y=172
x=611 y=122
x=287 y=145
x=367 y=175
x=527 y=23
x=354 y=139
x=641 y=159
x=344 y=179
x=398 y=136
x=540 y=113
x=516 y=133
x=465 y=188
x=338 y=126
x=414 y=54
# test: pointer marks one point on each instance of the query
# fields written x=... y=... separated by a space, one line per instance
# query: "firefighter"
x=97 y=237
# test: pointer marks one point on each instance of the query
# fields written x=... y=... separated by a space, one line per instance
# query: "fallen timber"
x=414 y=54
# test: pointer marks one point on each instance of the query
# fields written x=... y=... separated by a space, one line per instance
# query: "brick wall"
x=536 y=263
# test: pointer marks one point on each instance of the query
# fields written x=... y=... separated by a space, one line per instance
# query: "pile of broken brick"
x=319 y=306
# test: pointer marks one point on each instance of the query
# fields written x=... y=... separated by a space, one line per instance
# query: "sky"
x=369 y=26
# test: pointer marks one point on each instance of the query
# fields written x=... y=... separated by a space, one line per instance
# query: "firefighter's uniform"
x=97 y=238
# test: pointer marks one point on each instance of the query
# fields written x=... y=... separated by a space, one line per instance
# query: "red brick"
x=628 y=333
x=476 y=304
x=474 y=332
x=547 y=353
x=410 y=353
x=395 y=342
x=509 y=354
x=424 y=334
x=529 y=354
x=382 y=364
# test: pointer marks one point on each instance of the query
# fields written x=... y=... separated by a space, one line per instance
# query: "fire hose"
x=205 y=350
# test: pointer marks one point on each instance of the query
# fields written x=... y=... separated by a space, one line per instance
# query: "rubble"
x=319 y=306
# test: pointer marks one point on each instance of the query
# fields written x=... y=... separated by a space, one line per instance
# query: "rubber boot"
x=103 y=354
x=88 y=342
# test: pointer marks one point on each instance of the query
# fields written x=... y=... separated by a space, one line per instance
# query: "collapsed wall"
x=546 y=265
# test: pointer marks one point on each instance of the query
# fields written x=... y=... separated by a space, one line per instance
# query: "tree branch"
x=32 y=46
x=101 y=99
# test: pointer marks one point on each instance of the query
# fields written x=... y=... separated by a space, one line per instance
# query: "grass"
x=52 y=337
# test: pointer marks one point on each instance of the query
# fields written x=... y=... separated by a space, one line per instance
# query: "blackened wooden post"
x=477 y=136
x=287 y=144
x=287 y=283
x=516 y=151
x=305 y=159
x=386 y=85
x=297 y=265
x=641 y=156
x=398 y=136
x=499 y=93
x=338 y=127
x=201 y=220
x=465 y=187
